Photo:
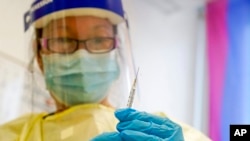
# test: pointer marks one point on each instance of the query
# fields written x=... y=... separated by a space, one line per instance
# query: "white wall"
x=164 y=45
x=12 y=28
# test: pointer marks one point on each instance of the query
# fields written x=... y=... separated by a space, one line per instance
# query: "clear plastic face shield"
x=82 y=50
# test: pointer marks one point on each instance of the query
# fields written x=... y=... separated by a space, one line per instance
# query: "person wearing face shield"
x=82 y=49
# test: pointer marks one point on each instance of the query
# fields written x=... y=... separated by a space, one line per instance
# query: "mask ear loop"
x=30 y=67
x=31 y=70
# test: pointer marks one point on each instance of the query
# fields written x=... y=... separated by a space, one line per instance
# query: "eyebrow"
x=59 y=27
x=102 y=26
x=64 y=27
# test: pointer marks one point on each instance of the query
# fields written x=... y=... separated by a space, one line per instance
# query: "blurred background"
x=187 y=52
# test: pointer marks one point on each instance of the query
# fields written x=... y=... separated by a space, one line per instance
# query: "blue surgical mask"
x=80 y=77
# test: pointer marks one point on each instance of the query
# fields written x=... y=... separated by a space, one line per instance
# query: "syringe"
x=132 y=92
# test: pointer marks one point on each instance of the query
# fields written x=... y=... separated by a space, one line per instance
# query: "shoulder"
x=190 y=133
x=12 y=129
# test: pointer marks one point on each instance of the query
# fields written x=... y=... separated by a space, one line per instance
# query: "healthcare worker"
x=82 y=49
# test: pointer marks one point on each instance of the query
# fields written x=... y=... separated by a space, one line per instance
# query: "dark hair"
x=37 y=47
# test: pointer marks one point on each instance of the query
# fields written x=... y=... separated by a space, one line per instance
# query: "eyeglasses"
x=68 y=45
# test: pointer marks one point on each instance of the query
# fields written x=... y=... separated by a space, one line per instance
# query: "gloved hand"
x=109 y=136
x=139 y=126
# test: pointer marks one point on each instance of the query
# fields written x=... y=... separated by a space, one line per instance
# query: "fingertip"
x=123 y=113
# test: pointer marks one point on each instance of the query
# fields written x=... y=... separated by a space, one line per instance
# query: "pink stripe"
x=217 y=44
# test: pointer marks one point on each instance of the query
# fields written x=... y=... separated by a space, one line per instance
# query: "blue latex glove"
x=139 y=126
x=111 y=136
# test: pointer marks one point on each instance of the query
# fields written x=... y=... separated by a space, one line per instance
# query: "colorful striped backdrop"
x=228 y=48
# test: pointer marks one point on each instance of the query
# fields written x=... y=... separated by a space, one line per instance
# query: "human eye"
x=62 y=45
x=100 y=44
x=63 y=40
x=101 y=41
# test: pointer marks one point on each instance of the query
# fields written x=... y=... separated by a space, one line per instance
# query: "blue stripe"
x=56 y=5
x=236 y=100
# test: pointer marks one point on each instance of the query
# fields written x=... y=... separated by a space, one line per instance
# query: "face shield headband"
x=42 y=11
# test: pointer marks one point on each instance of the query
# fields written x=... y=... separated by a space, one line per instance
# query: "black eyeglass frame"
x=44 y=42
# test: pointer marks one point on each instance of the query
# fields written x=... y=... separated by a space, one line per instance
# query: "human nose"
x=81 y=45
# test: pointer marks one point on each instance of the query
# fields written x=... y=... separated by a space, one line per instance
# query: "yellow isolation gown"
x=78 y=123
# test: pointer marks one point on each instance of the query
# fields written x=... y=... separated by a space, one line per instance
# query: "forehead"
x=79 y=24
